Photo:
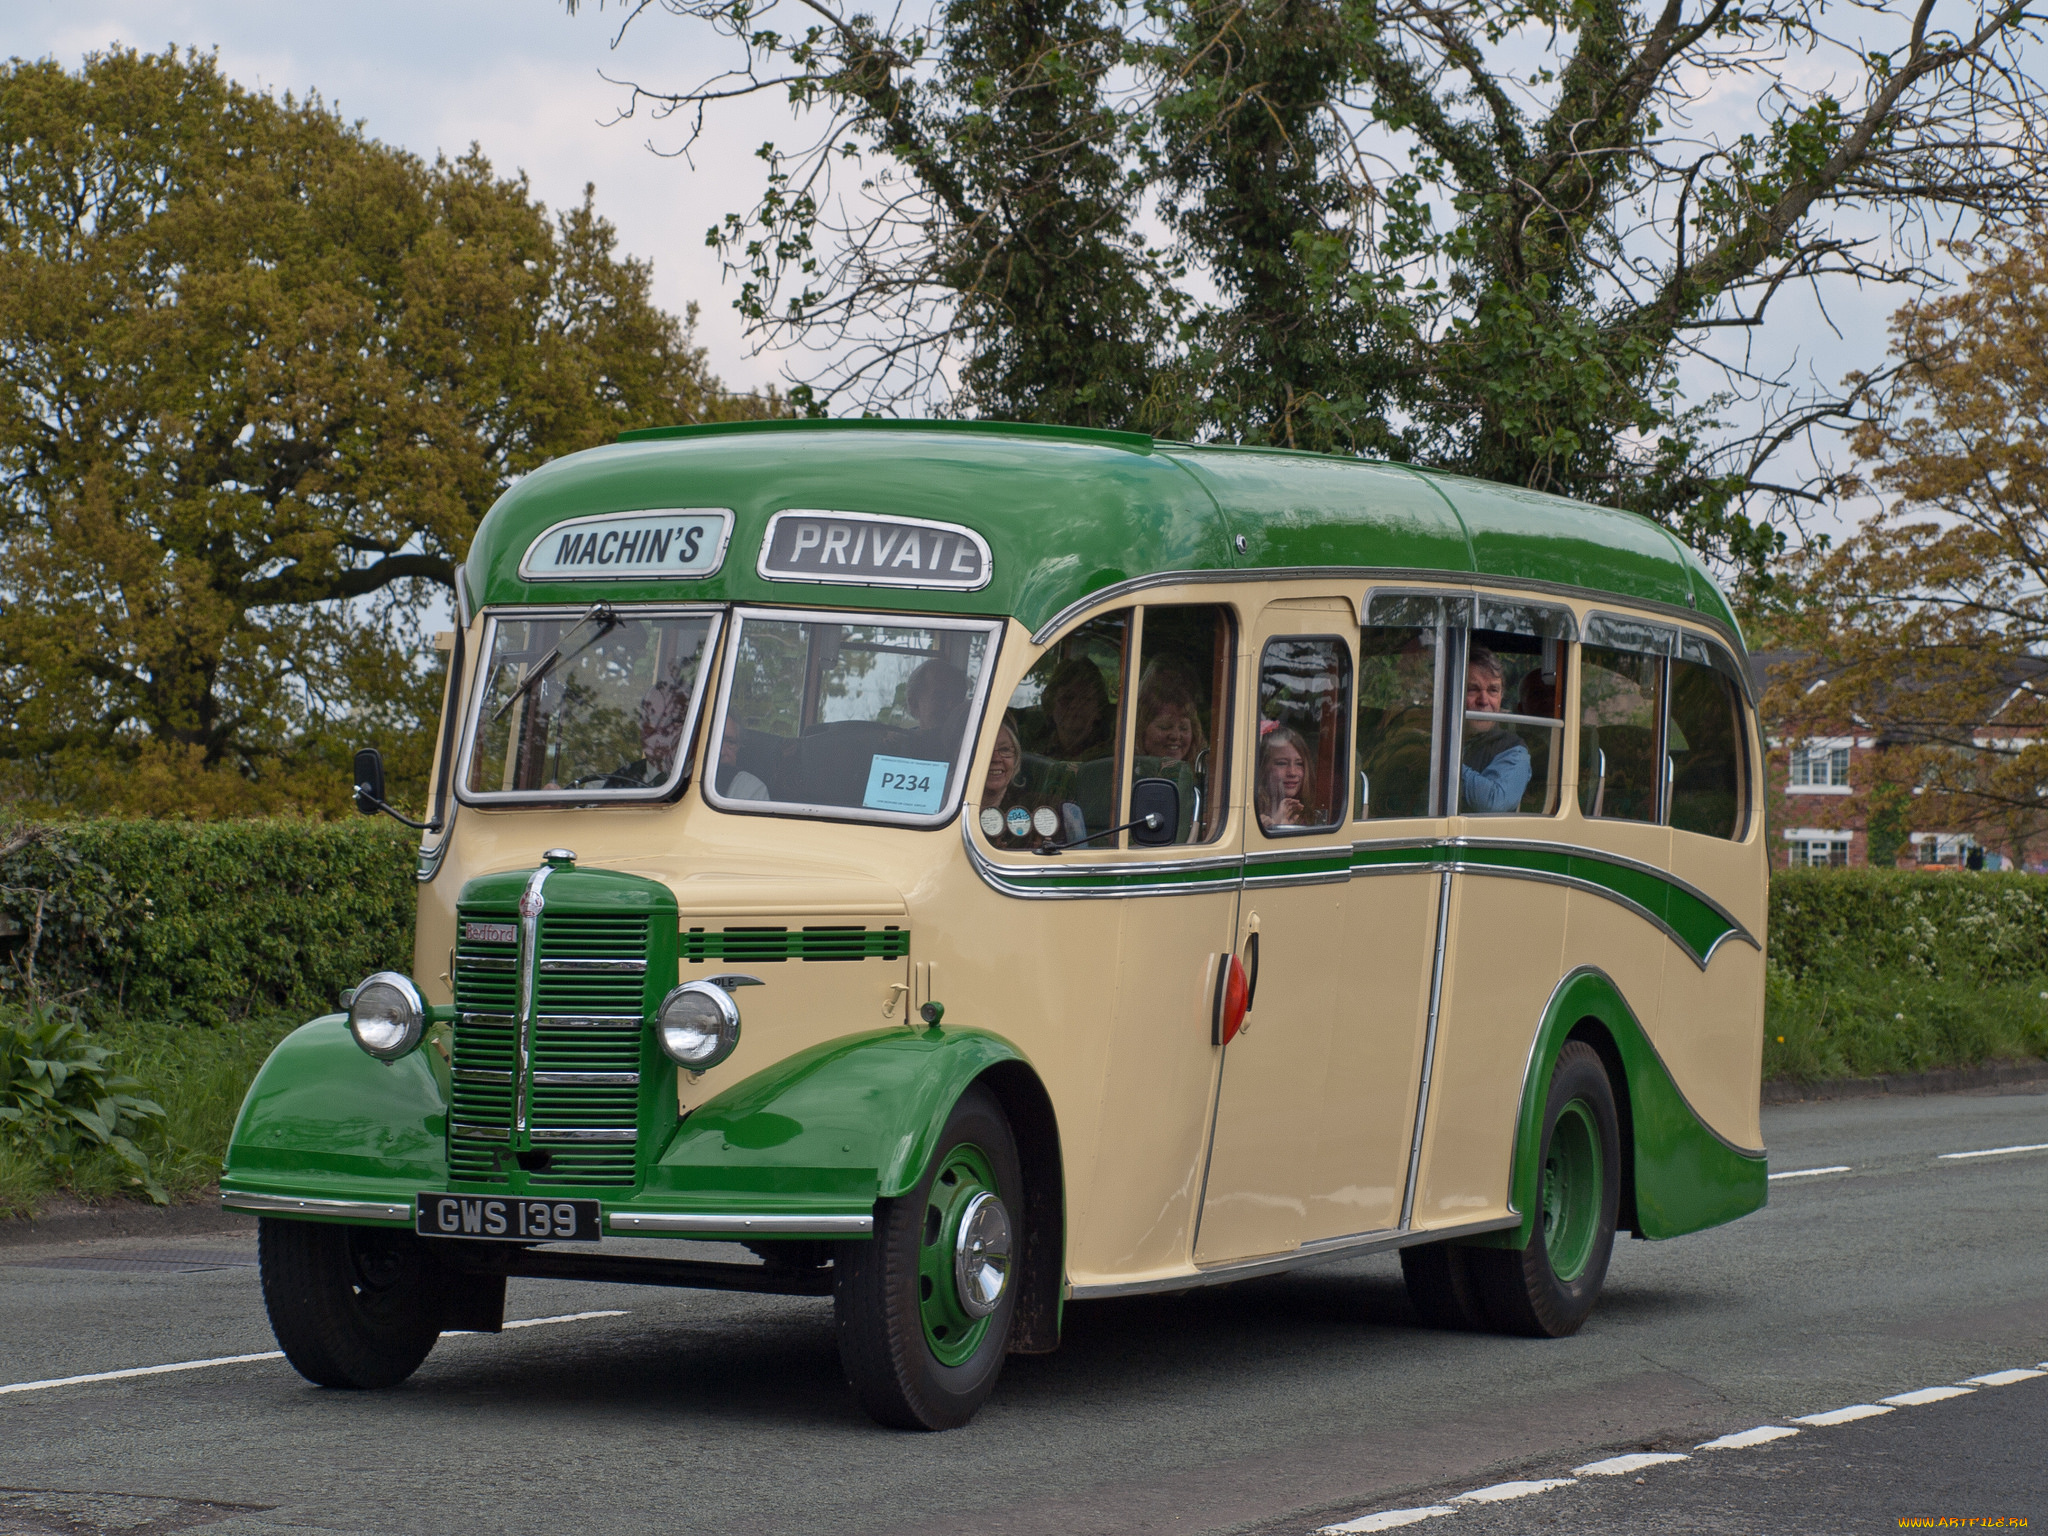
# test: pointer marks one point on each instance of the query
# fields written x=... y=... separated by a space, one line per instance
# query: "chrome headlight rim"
x=721 y=1039
x=410 y=1017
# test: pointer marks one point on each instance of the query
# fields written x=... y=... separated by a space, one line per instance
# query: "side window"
x=1054 y=773
x=1397 y=715
x=1184 y=712
x=1513 y=721
x=1706 y=746
x=1620 y=708
x=1302 y=771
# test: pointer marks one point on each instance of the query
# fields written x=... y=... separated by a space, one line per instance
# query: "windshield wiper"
x=607 y=621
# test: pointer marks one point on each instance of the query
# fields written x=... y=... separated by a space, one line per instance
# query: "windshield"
x=871 y=721
x=595 y=704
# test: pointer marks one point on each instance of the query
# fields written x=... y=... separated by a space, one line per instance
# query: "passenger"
x=1007 y=788
x=1282 y=793
x=936 y=696
x=734 y=782
x=1169 y=718
x=1079 y=717
x=1496 y=765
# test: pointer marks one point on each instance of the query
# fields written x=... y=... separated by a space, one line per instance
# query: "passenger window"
x=1054 y=774
x=1304 y=704
x=1620 y=705
x=1510 y=761
x=1397 y=715
x=1706 y=748
x=1183 y=710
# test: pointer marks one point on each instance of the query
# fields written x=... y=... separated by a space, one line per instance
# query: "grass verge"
x=1817 y=1029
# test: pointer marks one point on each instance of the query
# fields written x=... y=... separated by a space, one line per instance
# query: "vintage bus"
x=980 y=866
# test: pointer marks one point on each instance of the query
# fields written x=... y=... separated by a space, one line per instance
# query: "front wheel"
x=1547 y=1289
x=923 y=1308
x=351 y=1306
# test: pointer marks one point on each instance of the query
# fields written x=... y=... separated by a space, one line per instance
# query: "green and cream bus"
x=979 y=867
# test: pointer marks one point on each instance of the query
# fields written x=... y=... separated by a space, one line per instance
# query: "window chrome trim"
x=679 y=772
x=956 y=791
x=781 y=1225
x=295 y=1205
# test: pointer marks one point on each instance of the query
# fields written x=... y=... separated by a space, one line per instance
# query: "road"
x=1275 y=1406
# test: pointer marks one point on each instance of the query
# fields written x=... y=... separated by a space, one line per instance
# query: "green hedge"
x=1844 y=924
x=208 y=921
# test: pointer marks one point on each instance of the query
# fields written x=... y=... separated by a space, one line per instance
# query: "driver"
x=1496 y=764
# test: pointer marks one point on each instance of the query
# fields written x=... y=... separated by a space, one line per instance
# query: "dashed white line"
x=1925 y=1395
x=1500 y=1493
x=269 y=1354
x=2036 y=1146
x=1387 y=1520
x=2001 y=1378
x=1743 y=1439
x=1847 y=1415
x=1808 y=1173
x=1618 y=1466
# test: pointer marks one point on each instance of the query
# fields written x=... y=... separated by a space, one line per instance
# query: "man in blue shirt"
x=1496 y=765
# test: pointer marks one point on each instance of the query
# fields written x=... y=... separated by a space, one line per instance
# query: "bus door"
x=1291 y=932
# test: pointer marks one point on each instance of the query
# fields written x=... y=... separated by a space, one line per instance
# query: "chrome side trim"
x=589 y=1020
x=1436 y=1003
x=479 y=1132
x=1025 y=881
x=594 y=967
x=553 y=1133
x=1594 y=888
x=1325 y=1251
x=587 y=1079
x=294 y=1205
x=531 y=904
x=789 y=1226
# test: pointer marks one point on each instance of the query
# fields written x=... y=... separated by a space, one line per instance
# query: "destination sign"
x=639 y=546
x=861 y=549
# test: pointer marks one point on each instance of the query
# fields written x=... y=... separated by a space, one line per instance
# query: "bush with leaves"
x=62 y=1097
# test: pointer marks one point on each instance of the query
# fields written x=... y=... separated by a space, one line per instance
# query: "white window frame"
x=1803 y=755
x=1802 y=841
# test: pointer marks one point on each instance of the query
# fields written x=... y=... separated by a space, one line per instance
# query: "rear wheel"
x=923 y=1308
x=351 y=1306
x=1548 y=1288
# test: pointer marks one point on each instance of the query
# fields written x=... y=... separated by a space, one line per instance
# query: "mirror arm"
x=363 y=794
x=1150 y=821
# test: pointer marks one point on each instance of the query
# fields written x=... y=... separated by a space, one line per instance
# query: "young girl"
x=1282 y=793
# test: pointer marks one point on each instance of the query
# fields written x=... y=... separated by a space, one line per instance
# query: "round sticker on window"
x=1046 y=820
x=1020 y=821
x=991 y=822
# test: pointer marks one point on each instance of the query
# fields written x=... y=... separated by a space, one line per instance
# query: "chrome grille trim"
x=531 y=904
x=482 y=1132
x=487 y=963
x=550 y=1133
x=595 y=967
x=480 y=1075
x=487 y=1018
x=571 y=1079
x=590 y=1020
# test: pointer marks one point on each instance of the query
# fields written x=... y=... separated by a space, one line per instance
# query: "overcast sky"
x=526 y=81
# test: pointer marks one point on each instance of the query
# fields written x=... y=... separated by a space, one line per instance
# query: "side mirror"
x=369 y=780
x=1155 y=812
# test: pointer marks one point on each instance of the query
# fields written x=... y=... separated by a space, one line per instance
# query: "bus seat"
x=1094 y=790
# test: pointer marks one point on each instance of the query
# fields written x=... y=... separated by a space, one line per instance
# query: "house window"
x=1820 y=767
x=1818 y=852
x=1944 y=849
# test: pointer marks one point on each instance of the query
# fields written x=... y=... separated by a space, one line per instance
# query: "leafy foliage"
x=260 y=376
x=1845 y=925
x=60 y=1094
x=1485 y=234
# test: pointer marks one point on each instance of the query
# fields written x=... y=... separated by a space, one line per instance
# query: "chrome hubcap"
x=981 y=1255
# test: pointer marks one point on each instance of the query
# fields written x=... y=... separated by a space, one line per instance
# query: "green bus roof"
x=1068 y=511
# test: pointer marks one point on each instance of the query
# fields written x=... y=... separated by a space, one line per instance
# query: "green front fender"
x=1685 y=1176
x=846 y=1123
x=323 y=1118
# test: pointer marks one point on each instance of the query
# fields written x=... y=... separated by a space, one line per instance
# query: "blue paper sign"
x=907 y=784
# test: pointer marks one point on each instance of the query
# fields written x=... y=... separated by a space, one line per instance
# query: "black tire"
x=1441 y=1287
x=1522 y=1291
x=351 y=1306
x=879 y=1302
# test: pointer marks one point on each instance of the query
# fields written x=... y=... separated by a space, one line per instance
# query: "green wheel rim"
x=951 y=1332
x=1572 y=1178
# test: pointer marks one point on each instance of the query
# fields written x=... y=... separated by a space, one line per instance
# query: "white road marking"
x=2036 y=1146
x=1807 y=1173
x=2001 y=1378
x=1743 y=1439
x=269 y=1354
x=1500 y=1493
x=1617 y=1466
x=1925 y=1395
x=1842 y=1415
x=1387 y=1520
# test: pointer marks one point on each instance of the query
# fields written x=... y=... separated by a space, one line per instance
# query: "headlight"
x=387 y=1016
x=699 y=1024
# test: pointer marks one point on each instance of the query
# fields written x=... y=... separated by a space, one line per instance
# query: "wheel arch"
x=1042 y=1266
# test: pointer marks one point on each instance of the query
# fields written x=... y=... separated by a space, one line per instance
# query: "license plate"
x=501 y=1218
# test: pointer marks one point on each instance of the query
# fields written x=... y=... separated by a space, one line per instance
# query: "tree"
x=260 y=376
x=1929 y=625
x=1485 y=234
